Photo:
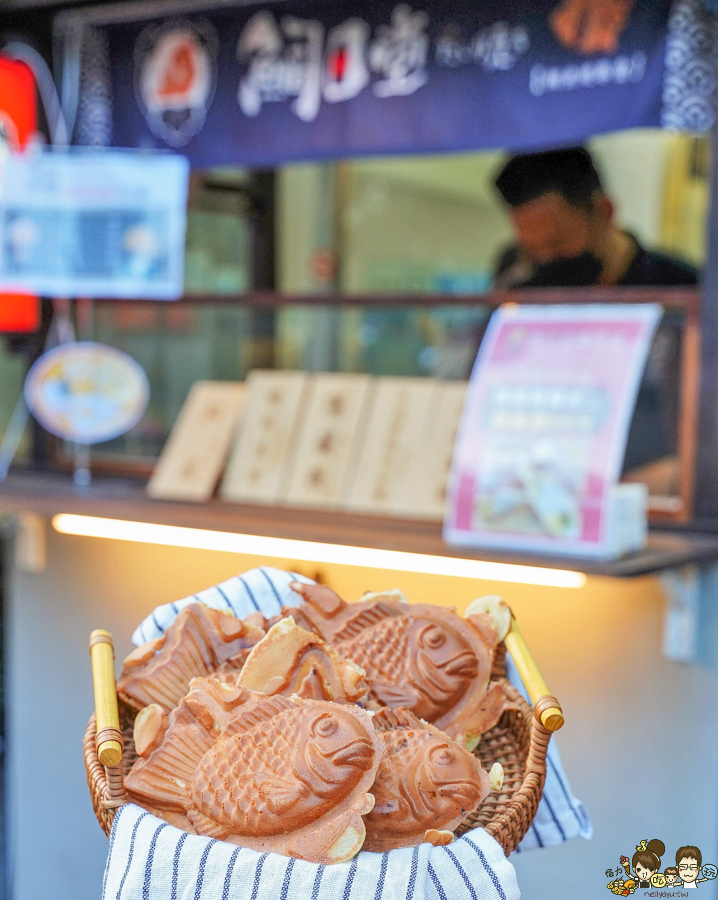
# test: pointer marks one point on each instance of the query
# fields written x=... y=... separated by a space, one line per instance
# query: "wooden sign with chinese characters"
x=335 y=410
x=397 y=428
x=195 y=453
x=425 y=496
x=258 y=464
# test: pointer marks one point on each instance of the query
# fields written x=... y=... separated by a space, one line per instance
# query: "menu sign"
x=93 y=224
x=544 y=427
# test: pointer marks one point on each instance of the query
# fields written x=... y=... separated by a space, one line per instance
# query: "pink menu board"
x=544 y=426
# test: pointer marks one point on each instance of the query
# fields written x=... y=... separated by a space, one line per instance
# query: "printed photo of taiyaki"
x=290 y=660
x=277 y=774
x=425 y=786
x=199 y=642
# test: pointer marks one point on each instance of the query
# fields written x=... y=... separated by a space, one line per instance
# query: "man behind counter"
x=565 y=229
x=566 y=236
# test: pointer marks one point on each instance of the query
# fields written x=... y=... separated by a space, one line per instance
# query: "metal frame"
x=706 y=476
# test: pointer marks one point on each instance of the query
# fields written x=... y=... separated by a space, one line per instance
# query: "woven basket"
x=519 y=742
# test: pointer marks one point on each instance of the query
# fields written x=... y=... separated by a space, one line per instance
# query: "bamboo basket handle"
x=108 y=740
x=547 y=709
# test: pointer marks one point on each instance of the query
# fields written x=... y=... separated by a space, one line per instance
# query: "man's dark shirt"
x=650 y=269
x=647 y=269
x=653 y=430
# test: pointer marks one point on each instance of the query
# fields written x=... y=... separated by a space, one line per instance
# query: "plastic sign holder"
x=544 y=428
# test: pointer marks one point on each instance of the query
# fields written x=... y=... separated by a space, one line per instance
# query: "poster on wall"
x=87 y=392
x=260 y=84
x=93 y=224
x=544 y=427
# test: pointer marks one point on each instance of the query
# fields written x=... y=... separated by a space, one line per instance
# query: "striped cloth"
x=263 y=590
x=151 y=860
x=560 y=815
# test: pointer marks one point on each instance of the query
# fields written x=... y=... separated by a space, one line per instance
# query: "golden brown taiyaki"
x=199 y=642
x=289 y=660
x=425 y=786
x=433 y=663
x=420 y=660
x=421 y=657
x=326 y=614
x=274 y=774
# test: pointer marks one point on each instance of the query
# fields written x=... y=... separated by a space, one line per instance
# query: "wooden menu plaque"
x=260 y=457
x=426 y=483
x=195 y=453
x=397 y=430
x=335 y=411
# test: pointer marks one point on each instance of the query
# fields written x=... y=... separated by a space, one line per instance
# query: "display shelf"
x=682 y=303
x=49 y=494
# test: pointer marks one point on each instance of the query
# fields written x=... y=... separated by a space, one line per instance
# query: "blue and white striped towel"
x=560 y=815
x=151 y=860
x=263 y=590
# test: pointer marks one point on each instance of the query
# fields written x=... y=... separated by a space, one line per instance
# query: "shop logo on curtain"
x=294 y=59
x=175 y=78
x=298 y=81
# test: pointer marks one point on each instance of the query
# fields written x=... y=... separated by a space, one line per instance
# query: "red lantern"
x=18 y=123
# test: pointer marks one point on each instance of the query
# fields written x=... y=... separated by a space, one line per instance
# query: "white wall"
x=633 y=167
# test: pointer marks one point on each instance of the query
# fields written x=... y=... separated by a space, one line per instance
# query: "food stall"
x=268 y=89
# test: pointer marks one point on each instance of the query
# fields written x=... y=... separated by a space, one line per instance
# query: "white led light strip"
x=309 y=551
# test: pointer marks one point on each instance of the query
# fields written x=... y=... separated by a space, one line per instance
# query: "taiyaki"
x=199 y=642
x=335 y=620
x=289 y=660
x=275 y=774
x=421 y=657
x=434 y=663
x=425 y=786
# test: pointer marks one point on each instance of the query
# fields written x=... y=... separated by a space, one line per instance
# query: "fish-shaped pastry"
x=424 y=658
x=292 y=661
x=326 y=614
x=436 y=664
x=276 y=774
x=425 y=786
x=199 y=642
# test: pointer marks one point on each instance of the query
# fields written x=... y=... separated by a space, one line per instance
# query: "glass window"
x=176 y=344
x=374 y=228
x=13 y=368
x=218 y=233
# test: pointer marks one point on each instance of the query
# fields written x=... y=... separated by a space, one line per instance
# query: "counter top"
x=49 y=494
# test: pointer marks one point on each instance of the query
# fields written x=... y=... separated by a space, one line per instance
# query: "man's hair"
x=689 y=853
x=570 y=172
x=670 y=870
